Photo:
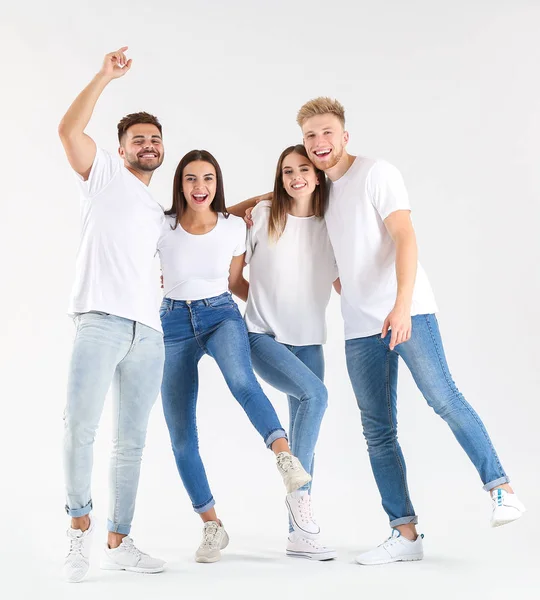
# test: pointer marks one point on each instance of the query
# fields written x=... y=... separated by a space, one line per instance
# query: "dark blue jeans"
x=212 y=326
x=373 y=370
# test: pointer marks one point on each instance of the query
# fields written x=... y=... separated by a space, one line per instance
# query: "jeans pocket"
x=222 y=302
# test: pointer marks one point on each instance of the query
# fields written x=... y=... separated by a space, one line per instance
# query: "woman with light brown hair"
x=292 y=269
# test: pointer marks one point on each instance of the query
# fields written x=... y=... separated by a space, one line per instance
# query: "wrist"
x=403 y=304
x=103 y=78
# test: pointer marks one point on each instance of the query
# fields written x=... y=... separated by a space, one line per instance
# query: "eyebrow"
x=193 y=175
x=302 y=165
x=154 y=135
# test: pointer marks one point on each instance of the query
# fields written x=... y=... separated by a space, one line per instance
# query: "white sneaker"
x=299 y=507
x=214 y=539
x=396 y=548
x=506 y=507
x=293 y=473
x=302 y=547
x=77 y=561
x=127 y=557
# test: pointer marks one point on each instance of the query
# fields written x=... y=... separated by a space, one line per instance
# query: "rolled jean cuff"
x=404 y=521
x=493 y=484
x=118 y=527
x=79 y=512
x=274 y=435
x=204 y=507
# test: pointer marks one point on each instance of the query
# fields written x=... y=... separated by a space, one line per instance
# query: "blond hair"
x=321 y=106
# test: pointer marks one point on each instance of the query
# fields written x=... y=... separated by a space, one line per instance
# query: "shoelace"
x=391 y=540
x=209 y=536
x=305 y=509
x=285 y=462
x=75 y=546
x=129 y=546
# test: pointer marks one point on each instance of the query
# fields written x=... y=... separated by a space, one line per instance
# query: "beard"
x=134 y=162
x=333 y=158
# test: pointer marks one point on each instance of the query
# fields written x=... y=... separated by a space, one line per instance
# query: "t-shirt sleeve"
x=104 y=168
x=386 y=189
x=251 y=239
x=240 y=238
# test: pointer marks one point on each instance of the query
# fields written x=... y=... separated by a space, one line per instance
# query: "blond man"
x=389 y=312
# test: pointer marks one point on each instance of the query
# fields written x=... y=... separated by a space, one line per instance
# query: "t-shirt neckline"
x=200 y=235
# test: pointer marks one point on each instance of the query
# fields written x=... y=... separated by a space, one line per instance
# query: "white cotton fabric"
x=120 y=227
x=290 y=280
x=359 y=202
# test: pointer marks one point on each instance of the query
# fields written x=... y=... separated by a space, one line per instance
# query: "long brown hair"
x=179 y=204
x=281 y=201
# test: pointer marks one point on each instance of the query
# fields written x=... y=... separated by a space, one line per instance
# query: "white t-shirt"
x=290 y=280
x=197 y=266
x=359 y=202
x=121 y=224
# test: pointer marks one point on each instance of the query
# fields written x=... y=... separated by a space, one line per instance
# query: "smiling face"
x=142 y=147
x=199 y=184
x=298 y=176
x=324 y=140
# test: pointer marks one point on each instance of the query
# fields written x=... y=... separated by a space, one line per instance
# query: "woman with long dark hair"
x=292 y=269
x=202 y=251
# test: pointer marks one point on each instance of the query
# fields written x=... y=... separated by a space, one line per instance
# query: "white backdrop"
x=446 y=91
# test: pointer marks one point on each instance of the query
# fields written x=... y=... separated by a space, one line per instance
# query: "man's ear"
x=346 y=137
x=121 y=151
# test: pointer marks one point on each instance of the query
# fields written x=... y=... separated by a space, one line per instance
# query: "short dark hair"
x=180 y=204
x=134 y=119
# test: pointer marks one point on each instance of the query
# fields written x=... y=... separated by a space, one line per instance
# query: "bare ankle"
x=115 y=539
x=408 y=531
x=82 y=523
x=504 y=486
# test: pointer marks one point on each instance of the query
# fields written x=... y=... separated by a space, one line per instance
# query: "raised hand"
x=116 y=64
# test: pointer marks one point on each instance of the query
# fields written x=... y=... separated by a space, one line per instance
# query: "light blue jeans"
x=130 y=355
x=298 y=371
x=191 y=329
x=373 y=370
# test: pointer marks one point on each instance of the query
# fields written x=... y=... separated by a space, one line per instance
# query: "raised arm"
x=237 y=284
x=79 y=147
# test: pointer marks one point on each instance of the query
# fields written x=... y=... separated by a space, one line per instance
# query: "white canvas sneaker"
x=127 y=557
x=506 y=507
x=77 y=561
x=301 y=514
x=214 y=539
x=396 y=548
x=302 y=547
x=293 y=473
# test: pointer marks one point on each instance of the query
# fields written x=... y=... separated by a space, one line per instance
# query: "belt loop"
x=206 y=303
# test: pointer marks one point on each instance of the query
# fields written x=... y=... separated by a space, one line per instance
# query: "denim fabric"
x=130 y=355
x=298 y=371
x=212 y=326
x=373 y=370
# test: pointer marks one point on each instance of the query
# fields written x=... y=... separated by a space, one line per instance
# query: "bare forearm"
x=406 y=266
x=79 y=113
x=239 y=210
x=241 y=289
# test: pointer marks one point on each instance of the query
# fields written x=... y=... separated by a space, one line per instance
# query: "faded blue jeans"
x=298 y=371
x=110 y=349
x=212 y=326
x=373 y=370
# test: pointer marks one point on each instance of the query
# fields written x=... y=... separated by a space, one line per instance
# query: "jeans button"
x=188 y=301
